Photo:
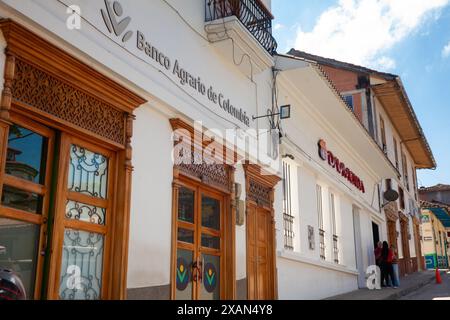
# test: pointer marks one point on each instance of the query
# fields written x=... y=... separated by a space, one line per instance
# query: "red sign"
x=340 y=167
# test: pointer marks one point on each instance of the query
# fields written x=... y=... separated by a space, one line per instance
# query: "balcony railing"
x=336 y=249
x=252 y=14
x=322 y=244
x=288 y=231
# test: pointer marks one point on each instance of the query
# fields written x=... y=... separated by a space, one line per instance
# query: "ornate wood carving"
x=61 y=91
x=7 y=92
x=259 y=193
x=260 y=185
x=403 y=217
x=199 y=165
x=391 y=211
x=42 y=91
x=47 y=80
x=217 y=175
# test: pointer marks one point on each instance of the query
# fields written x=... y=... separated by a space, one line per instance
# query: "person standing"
x=386 y=265
x=377 y=253
x=396 y=280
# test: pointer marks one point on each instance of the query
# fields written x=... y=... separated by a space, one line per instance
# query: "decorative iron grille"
x=336 y=249
x=252 y=14
x=287 y=208
x=322 y=244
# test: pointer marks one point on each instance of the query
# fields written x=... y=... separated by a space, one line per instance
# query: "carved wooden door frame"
x=218 y=178
x=260 y=194
x=49 y=86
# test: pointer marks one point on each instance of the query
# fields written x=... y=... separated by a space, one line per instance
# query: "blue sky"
x=404 y=37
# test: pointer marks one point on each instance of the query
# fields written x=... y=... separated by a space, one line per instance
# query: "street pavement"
x=432 y=291
x=408 y=284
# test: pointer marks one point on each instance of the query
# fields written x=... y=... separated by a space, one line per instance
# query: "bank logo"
x=210 y=278
x=183 y=275
x=114 y=21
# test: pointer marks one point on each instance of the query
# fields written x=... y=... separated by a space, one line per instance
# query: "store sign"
x=340 y=167
x=118 y=25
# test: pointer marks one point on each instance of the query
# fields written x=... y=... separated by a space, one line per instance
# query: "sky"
x=410 y=38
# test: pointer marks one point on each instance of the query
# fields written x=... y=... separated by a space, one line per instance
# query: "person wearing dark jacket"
x=387 y=271
x=377 y=253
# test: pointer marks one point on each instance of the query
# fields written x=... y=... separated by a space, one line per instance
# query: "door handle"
x=45 y=240
x=197 y=271
x=44 y=245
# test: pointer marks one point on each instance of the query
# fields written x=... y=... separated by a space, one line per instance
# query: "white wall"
x=410 y=196
x=304 y=281
x=151 y=202
x=241 y=233
x=180 y=40
x=321 y=279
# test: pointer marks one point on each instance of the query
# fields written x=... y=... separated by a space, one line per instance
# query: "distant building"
x=440 y=193
x=381 y=105
x=435 y=232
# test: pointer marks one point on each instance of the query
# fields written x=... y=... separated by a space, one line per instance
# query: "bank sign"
x=117 y=24
x=340 y=167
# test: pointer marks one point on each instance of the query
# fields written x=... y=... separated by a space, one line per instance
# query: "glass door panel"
x=25 y=201
x=183 y=275
x=88 y=172
x=84 y=222
x=199 y=243
x=82 y=266
x=26 y=155
x=210 y=287
x=210 y=213
x=19 y=250
x=186 y=268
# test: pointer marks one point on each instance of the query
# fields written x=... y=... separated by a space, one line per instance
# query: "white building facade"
x=132 y=166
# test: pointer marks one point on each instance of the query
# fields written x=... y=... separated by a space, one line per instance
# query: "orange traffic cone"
x=438 y=276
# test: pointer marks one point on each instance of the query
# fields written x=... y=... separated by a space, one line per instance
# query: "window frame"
x=44 y=190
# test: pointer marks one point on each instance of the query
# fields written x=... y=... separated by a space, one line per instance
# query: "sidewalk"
x=408 y=285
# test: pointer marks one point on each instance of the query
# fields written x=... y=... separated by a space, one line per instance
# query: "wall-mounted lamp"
x=285 y=113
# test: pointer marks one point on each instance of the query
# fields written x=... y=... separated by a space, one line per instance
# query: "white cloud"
x=362 y=31
x=384 y=63
x=278 y=26
x=446 y=51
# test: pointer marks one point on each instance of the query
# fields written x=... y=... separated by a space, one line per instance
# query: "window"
x=383 y=135
x=388 y=184
x=413 y=172
x=321 y=226
x=401 y=198
x=83 y=207
x=405 y=171
x=334 y=229
x=396 y=154
x=349 y=101
x=287 y=208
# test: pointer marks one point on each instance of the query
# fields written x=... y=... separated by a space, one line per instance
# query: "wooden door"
x=392 y=233
x=56 y=212
x=259 y=254
x=420 y=259
x=199 y=232
x=83 y=219
x=25 y=201
x=405 y=246
x=262 y=252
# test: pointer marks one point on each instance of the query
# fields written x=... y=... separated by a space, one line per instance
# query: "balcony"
x=251 y=13
x=248 y=23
